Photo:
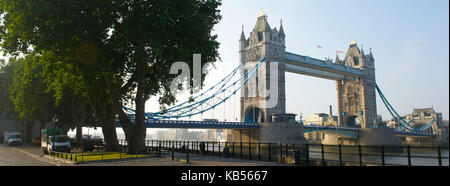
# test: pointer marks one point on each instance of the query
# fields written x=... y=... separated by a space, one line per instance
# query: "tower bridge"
x=263 y=114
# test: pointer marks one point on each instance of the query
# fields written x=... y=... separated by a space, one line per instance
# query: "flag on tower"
x=339 y=52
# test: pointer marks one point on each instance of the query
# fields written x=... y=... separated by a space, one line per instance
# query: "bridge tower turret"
x=356 y=95
x=269 y=43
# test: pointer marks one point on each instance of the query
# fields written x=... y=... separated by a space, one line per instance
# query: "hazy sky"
x=409 y=41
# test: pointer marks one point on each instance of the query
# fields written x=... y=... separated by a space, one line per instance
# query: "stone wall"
x=280 y=132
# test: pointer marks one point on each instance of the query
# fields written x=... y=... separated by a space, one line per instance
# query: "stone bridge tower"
x=269 y=43
x=356 y=96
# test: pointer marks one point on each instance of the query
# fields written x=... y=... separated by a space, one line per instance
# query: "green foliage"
x=27 y=90
x=164 y=33
x=6 y=79
x=109 y=52
x=108 y=38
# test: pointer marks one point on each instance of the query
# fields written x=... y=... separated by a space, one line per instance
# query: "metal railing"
x=313 y=154
x=299 y=154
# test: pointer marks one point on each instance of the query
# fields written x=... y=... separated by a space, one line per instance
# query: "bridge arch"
x=353 y=121
x=254 y=114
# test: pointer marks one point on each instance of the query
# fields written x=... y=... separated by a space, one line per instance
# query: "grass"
x=98 y=156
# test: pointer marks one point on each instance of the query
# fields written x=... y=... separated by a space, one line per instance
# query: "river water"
x=418 y=158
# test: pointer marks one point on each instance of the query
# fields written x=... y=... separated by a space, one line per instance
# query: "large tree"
x=6 y=79
x=34 y=101
x=27 y=92
x=70 y=36
x=123 y=48
x=153 y=35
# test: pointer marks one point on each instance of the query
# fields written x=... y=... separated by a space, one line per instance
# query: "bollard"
x=360 y=155
x=233 y=149
x=213 y=151
x=270 y=155
x=382 y=155
x=249 y=150
x=323 y=154
x=409 y=155
x=340 y=155
x=293 y=149
x=173 y=152
x=220 y=155
x=307 y=154
x=241 y=148
x=159 y=149
x=259 y=151
x=281 y=153
x=439 y=156
x=297 y=157
x=287 y=150
x=187 y=153
x=197 y=146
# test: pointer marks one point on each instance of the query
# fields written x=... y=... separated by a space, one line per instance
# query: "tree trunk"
x=140 y=129
x=124 y=120
x=28 y=131
x=107 y=122
x=109 y=131
x=78 y=121
x=79 y=133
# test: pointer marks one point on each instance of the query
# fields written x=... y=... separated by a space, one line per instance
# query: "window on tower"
x=356 y=61
x=260 y=36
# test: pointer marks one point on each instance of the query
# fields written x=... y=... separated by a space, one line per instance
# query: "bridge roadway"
x=354 y=132
x=196 y=124
x=338 y=131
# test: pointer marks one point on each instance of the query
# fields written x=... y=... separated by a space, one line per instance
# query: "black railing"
x=314 y=154
x=300 y=154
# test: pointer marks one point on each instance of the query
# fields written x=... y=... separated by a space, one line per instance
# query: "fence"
x=300 y=154
x=91 y=151
x=313 y=154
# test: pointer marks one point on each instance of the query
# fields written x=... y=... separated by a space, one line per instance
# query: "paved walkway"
x=203 y=160
x=26 y=156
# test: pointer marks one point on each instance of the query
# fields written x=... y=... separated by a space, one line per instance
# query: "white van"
x=12 y=138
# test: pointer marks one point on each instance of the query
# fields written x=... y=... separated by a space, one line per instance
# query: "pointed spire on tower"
x=281 y=28
x=337 y=61
x=242 y=34
x=362 y=50
x=370 y=53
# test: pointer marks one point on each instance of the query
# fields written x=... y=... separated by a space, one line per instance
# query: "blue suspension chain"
x=215 y=94
x=398 y=118
x=247 y=76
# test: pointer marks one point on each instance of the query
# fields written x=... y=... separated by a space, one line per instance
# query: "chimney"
x=331 y=110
